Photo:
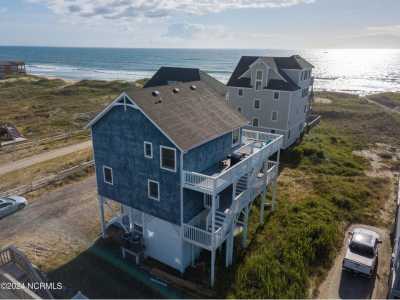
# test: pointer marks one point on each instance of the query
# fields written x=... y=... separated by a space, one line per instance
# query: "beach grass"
x=322 y=189
x=41 y=107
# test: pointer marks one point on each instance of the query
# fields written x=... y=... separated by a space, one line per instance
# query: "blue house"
x=183 y=167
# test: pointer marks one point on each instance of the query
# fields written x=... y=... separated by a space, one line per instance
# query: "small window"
x=274 y=116
x=257 y=103
x=259 y=79
x=273 y=131
x=236 y=137
x=276 y=95
x=255 y=122
x=148 y=150
x=240 y=92
x=168 y=158
x=108 y=175
x=239 y=109
x=305 y=108
x=288 y=134
x=153 y=190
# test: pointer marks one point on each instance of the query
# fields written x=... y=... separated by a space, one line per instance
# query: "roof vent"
x=193 y=87
x=175 y=90
x=155 y=93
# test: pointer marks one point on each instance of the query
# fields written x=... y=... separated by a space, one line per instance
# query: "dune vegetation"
x=322 y=189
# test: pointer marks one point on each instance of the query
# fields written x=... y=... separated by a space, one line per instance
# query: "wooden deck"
x=17 y=272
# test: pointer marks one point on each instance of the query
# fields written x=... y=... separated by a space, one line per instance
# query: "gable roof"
x=277 y=64
x=190 y=117
x=171 y=74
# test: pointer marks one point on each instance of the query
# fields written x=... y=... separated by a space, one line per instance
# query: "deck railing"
x=217 y=183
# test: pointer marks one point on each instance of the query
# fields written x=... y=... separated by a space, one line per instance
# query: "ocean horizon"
x=358 y=71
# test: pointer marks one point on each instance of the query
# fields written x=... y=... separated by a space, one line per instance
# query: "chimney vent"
x=175 y=90
x=155 y=93
x=193 y=87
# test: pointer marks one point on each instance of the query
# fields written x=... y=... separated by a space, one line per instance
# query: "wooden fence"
x=42 y=182
x=31 y=143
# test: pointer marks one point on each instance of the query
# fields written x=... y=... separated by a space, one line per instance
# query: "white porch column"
x=101 y=211
x=264 y=193
x=245 y=228
x=274 y=195
x=275 y=181
x=227 y=247
x=212 y=267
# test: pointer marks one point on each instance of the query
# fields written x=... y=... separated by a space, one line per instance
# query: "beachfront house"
x=273 y=93
x=184 y=168
x=10 y=67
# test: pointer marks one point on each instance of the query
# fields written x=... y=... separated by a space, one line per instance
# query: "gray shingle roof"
x=189 y=117
x=166 y=74
x=277 y=64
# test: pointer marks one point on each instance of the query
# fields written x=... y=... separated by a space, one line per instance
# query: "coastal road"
x=54 y=225
x=29 y=161
x=343 y=285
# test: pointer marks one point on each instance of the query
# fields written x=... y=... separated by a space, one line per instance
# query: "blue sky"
x=284 y=24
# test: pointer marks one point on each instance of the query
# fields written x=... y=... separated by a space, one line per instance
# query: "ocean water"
x=352 y=70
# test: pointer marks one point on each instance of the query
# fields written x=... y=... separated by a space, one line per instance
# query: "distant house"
x=11 y=68
x=173 y=75
x=183 y=167
x=273 y=93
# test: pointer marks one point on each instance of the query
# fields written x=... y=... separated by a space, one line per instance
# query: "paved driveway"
x=343 y=285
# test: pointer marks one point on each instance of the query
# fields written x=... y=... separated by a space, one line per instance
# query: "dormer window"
x=276 y=96
x=259 y=79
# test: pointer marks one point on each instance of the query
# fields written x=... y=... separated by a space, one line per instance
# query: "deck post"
x=101 y=211
x=274 y=195
x=275 y=181
x=212 y=267
x=245 y=228
x=227 y=247
x=264 y=193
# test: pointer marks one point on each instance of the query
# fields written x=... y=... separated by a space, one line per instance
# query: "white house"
x=273 y=93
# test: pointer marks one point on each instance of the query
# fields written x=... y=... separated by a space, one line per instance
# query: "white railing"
x=199 y=180
x=198 y=235
x=215 y=184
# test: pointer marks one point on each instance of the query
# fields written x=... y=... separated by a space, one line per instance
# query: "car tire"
x=21 y=206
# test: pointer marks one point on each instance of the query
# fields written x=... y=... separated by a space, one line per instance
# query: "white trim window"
x=148 y=150
x=257 y=104
x=274 y=116
x=259 y=79
x=236 y=137
x=153 y=189
x=255 y=122
x=240 y=92
x=276 y=95
x=108 y=175
x=168 y=158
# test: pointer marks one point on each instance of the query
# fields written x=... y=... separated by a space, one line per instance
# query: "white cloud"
x=120 y=9
x=186 y=31
x=3 y=10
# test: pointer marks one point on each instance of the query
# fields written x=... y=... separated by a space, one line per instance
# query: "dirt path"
x=344 y=285
x=56 y=225
x=29 y=161
x=382 y=106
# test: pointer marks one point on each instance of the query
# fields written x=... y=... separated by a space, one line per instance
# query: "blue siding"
x=205 y=156
x=118 y=140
